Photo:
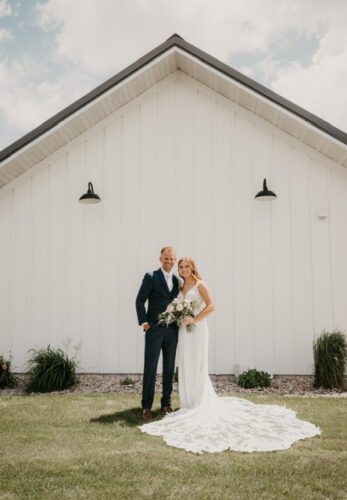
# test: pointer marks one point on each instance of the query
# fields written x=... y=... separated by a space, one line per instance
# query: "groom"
x=159 y=287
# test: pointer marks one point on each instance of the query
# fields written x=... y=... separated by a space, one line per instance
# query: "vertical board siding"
x=73 y=296
x=302 y=274
x=262 y=252
x=38 y=292
x=166 y=175
x=282 y=257
x=245 y=344
x=338 y=238
x=57 y=220
x=20 y=341
x=6 y=249
x=181 y=167
x=186 y=171
x=110 y=305
x=93 y=241
x=224 y=262
x=204 y=204
x=321 y=251
x=129 y=241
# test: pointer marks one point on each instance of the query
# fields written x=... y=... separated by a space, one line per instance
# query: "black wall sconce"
x=265 y=194
x=90 y=197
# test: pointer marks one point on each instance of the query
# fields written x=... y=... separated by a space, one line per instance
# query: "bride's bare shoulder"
x=201 y=284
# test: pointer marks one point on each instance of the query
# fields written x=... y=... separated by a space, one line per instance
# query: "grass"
x=88 y=446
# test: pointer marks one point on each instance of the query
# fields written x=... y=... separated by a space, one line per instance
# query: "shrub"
x=6 y=376
x=254 y=378
x=329 y=352
x=127 y=381
x=50 y=370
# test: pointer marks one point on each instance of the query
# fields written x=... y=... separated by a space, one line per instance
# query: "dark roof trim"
x=326 y=127
x=174 y=40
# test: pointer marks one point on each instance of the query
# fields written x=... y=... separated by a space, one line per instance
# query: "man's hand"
x=146 y=327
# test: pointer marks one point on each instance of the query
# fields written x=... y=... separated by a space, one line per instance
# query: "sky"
x=54 y=51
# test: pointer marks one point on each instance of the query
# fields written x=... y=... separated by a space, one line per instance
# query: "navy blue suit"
x=154 y=289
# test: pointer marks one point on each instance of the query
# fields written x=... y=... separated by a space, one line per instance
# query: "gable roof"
x=173 y=54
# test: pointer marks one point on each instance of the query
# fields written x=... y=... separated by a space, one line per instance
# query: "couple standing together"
x=205 y=421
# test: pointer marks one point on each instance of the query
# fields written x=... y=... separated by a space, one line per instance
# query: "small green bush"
x=50 y=370
x=254 y=378
x=329 y=352
x=7 y=378
x=127 y=381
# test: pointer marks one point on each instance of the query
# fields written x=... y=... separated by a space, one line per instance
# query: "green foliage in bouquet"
x=254 y=378
x=329 y=352
x=51 y=370
x=176 y=311
x=7 y=378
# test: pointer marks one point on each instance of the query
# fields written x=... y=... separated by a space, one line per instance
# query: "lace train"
x=232 y=424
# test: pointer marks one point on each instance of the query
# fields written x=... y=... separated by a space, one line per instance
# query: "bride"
x=205 y=421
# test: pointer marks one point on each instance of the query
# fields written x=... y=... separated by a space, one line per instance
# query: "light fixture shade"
x=89 y=197
x=265 y=194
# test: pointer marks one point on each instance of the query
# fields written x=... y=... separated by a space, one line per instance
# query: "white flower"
x=179 y=307
x=170 y=308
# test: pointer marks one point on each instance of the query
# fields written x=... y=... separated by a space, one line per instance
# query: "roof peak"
x=174 y=40
x=175 y=35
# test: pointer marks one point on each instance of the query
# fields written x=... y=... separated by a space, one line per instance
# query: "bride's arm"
x=205 y=294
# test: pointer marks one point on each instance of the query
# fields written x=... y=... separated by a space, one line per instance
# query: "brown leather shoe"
x=147 y=414
x=166 y=409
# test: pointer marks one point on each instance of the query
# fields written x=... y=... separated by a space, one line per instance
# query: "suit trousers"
x=159 y=338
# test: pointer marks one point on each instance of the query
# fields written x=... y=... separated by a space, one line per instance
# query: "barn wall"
x=178 y=166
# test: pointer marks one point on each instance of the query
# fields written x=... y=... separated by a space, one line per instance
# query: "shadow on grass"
x=130 y=417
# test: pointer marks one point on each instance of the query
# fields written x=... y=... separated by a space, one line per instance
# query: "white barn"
x=176 y=145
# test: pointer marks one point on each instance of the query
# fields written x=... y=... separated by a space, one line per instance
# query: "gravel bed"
x=281 y=384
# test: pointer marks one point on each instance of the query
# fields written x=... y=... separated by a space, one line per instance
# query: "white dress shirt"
x=168 y=277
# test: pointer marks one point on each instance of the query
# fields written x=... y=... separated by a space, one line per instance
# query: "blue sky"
x=54 y=51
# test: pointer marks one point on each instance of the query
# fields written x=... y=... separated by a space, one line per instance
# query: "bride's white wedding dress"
x=207 y=422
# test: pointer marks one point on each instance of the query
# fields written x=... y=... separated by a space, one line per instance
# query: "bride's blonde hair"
x=195 y=273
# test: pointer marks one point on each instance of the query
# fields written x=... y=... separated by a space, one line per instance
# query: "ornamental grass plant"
x=51 y=370
x=7 y=378
x=329 y=352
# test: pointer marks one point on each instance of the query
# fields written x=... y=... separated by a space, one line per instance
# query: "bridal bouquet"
x=176 y=311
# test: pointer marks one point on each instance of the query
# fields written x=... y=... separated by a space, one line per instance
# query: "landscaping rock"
x=290 y=385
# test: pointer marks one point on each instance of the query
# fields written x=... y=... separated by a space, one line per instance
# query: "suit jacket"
x=154 y=289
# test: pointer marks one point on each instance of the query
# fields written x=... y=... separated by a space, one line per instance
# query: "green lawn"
x=88 y=446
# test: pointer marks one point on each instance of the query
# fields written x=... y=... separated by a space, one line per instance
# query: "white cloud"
x=321 y=86
x=112 y=33
x=30 y=102
x=94 y=39
x=5 y=8
x=5 y=34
